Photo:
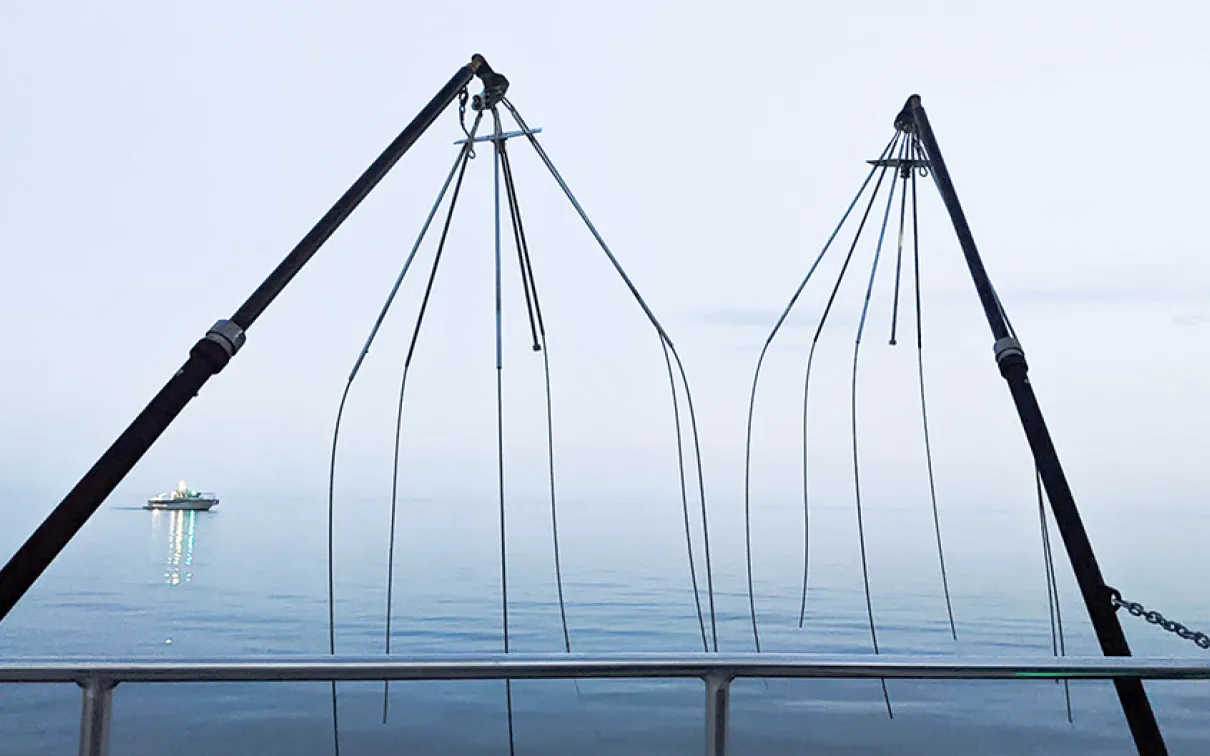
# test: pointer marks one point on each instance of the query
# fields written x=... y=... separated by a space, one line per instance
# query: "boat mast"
x=207 y=357
x=1011 y=360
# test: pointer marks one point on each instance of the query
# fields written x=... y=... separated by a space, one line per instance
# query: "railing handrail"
x=588 y=666
x=98 y=678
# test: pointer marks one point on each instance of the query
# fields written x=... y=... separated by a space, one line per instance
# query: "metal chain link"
x=1155 y=618
x=463 y=96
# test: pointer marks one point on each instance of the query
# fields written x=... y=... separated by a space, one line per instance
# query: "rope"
x=665 y=339
x=924 y=414
x=865 y=569
x=403 y=383
x=340 y=414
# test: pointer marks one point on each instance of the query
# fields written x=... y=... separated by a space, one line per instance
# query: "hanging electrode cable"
x=510 y=192
x=538 y=328
x=1013 y=367
x=454 y=170
x=464 y=157
x=752 y=407
x=680 y=460
x=665 y=339
x=701 y=479
x=905 y=171
x=865 y=567
x=823 y=319
x=508 y=684
x=1058 y=643
x=917 y=157
x=344 y=396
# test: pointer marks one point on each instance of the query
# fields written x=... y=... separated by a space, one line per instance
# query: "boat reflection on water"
x=182 y=533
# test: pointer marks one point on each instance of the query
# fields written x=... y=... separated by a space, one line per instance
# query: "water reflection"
x=182 y=531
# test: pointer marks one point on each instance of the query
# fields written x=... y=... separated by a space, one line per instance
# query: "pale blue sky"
x=157 y=160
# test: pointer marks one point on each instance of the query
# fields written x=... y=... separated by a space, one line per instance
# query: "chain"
x=1155 y=618
x=463 y=96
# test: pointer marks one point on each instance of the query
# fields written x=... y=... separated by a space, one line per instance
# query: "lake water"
x=249 y=579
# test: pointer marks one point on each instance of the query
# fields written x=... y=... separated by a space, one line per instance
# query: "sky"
x=158 y=160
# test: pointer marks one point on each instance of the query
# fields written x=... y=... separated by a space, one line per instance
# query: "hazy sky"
x=158 y=159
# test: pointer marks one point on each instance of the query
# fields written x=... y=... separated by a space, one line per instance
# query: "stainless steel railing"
x=99 y=678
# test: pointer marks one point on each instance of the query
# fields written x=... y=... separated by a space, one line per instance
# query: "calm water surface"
x=249 y=579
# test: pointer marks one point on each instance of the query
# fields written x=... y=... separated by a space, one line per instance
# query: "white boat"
x=183 y=497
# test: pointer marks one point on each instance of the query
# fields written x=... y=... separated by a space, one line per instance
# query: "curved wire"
x=550 y=166
x=1057 y=640
x=806 y=387
x=464 y=156
x=680 y=459
x=924 y=414
x=537 y=327
x=365 y=350
x=554 y=512
x=646 y=310
x=407 y=263
x=752 y=407
x=331 y=562
x=865 y=568
x=701 y=485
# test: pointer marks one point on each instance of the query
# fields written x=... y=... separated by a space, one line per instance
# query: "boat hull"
x=194 y=505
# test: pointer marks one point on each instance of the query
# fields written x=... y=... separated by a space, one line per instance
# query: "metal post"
x=208 y=357
x=718 y=714
x=94 y=716
x=1011 y=360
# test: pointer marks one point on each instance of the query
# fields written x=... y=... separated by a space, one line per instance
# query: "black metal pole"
x=207 y=357
x=1011 y=360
